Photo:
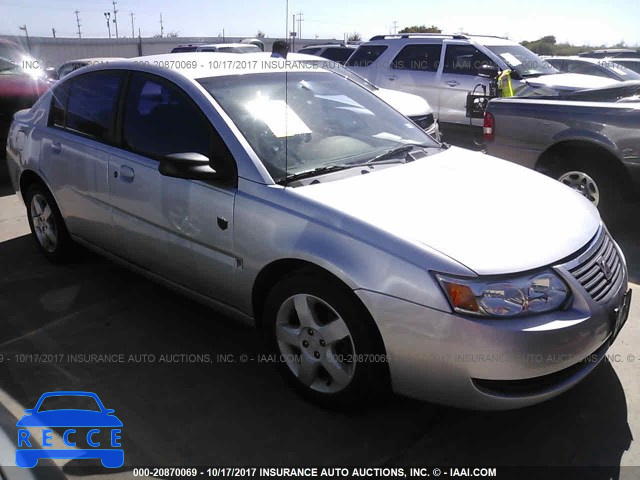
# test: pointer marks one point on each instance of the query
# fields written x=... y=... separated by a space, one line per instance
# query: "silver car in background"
x=371 y=256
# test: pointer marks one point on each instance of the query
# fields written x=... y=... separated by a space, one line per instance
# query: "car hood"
x=490 y=215
x=408 y=104
x=69 y=418
x=570 y=81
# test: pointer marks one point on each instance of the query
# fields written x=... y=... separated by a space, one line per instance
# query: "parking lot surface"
x=192 y=388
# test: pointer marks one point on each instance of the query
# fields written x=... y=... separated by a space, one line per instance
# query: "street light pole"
x=24 y=27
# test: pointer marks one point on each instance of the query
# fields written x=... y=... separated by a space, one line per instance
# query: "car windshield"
x=69 y=402
x=522 y=60
x=300 y=121
x=624 y=72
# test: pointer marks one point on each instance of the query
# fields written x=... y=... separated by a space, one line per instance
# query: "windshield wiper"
x=314 y=172
x=395 y=152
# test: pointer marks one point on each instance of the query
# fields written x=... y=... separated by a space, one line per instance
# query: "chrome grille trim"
x=600 y=270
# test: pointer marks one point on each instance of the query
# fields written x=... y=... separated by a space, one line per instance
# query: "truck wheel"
x=593 y=182
x=325 y=342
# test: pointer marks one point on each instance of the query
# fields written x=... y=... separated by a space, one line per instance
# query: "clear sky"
x=577 y=21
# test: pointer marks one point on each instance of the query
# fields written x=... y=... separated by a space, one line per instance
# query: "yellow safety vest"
x=505 y=89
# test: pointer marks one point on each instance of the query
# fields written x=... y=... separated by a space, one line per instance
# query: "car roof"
x=331 y=45
x=225 y=63
x=480 y=39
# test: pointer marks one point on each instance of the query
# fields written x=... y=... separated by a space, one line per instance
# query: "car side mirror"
x=189 y=165
x=29 y=411
x=109 y=411
x=488 y=71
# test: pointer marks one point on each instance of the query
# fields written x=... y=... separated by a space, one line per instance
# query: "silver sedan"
x=372 y=257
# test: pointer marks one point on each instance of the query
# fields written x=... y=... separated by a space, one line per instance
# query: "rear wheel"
x=46 y=223
x=592 y=181
x=326 y=344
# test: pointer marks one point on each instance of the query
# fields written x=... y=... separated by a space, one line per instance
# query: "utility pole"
x=133 y=31
x=286 y=16
x=107 y=15
x=293 y=34
x=77 y=12
x=24 y=27
x=115 y=17
x=395 y=27
x=53 y=31
x=300 y=20
x=161 y=27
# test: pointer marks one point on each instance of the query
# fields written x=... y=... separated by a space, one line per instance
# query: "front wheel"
x=326 y=344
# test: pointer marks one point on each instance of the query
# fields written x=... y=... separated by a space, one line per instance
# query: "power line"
x=77 y=12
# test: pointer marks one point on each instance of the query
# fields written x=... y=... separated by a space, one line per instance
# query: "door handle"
x=126 y=173
x=452 y=83
x=56 y=147
x=393 y=77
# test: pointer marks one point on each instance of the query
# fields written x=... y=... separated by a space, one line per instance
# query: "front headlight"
x=508 y=297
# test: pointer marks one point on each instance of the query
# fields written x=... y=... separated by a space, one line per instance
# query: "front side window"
x=424 y=58
x=159 y=119
x=92 y=104
x=300 y=121
x=365 y=55
x=464 y=60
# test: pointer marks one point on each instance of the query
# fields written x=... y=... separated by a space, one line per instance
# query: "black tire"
x=609 y=189
x=60 y=250
x=370 y=378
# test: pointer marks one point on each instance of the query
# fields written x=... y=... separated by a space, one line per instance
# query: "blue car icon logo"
x=88 y=430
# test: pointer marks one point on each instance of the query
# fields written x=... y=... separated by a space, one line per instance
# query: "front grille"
x=602 y=271
x=424 y=121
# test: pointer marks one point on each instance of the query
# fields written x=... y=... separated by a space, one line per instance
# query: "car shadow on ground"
x=226 y=409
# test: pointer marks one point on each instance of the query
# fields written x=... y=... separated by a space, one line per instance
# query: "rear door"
x=180 y=229
x=458 y=78
x=415 y=70
x=75 y=150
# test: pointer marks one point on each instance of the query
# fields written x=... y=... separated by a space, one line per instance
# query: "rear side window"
x=59 y=99
x=365 y=55
x=464 y=60
x=92 y=104
x=159 y=119
x=589 y=69
x=339 y=55
x=425 y=58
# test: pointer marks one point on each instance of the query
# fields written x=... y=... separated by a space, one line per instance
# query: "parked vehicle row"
x=606 y=67
x=370 y=255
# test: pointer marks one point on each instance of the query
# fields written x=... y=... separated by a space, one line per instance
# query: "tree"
x=354 y=37
x=260 y=34
x=421 y=29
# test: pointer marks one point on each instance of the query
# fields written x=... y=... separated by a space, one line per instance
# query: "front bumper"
x=493 y=364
